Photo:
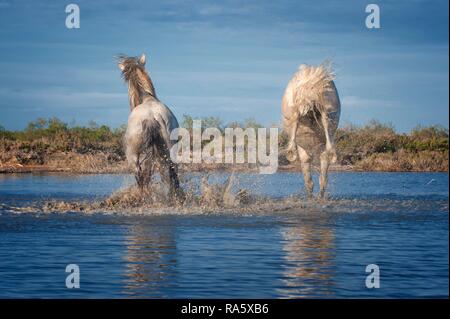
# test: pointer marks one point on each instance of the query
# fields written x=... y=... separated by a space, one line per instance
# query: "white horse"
x=311 y=111
x=147 y=138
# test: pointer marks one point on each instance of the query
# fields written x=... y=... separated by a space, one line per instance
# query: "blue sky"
x=231 y=59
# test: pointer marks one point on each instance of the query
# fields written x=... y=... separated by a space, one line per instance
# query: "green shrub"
x=371 y=146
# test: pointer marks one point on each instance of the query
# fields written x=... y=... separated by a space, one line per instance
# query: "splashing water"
x=204 y=196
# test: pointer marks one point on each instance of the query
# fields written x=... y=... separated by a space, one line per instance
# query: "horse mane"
x=139 y=83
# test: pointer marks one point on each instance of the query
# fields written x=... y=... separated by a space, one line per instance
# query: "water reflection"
x=310 y=259
x=150 y=261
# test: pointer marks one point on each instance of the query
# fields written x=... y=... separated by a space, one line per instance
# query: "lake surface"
x=398 y=221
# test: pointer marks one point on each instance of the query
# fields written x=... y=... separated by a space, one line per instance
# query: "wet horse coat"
x=147 y=138
x=311 y=111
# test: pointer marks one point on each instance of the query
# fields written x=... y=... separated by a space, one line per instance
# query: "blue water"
x=398 y=221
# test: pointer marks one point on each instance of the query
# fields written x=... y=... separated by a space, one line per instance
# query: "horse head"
x=139 y=83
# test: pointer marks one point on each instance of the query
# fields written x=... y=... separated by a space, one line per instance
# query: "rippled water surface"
x=398 y=221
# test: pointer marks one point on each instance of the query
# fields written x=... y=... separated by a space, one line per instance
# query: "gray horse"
x=311 y=111
x=147 y=138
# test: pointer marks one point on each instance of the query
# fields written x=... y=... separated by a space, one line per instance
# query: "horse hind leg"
x=169 y=174
x=324 y=165
x=305 y=161
x=177 y=191
x=330 y=149
x=144 y=171
x=139 y=174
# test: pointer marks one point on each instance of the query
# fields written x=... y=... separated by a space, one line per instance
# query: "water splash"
x=204 y=196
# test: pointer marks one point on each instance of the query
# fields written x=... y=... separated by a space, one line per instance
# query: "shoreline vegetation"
x=51 y=145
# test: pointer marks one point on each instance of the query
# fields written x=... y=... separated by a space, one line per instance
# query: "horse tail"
x=155 y=139
x=311 y=83
x=158 y=143
x=305 y=93
x=144 y=141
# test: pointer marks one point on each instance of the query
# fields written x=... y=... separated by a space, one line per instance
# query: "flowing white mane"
x=139 y=83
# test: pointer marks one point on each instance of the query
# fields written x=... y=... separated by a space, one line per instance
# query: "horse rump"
x=151 y=148
x=155 y=153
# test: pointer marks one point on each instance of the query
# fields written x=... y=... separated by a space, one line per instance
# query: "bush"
x=52 y=135
x=374 y=146
x=364 y=146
